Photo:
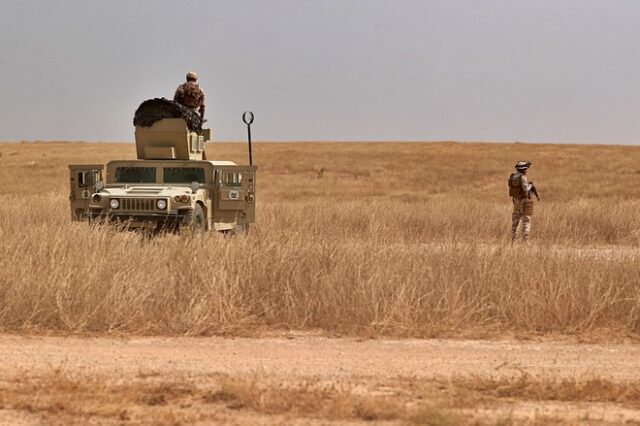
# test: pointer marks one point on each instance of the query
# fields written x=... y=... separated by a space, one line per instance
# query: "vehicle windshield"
x=183 y=174
x=136 y=174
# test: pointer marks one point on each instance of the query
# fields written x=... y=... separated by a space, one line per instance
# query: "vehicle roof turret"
x=167 y=130
x=170 y=139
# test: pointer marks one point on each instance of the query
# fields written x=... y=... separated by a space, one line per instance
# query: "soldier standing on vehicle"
x=191 y=95
x=520 y=190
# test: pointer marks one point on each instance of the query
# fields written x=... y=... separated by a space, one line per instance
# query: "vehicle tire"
x=195 y=221
x=241 y=229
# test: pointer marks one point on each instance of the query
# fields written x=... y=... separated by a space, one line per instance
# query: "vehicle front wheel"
x=194 y=221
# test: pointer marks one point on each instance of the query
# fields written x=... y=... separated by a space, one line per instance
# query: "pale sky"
x=469 y=70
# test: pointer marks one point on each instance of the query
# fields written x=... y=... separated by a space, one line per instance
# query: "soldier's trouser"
x=519 y=216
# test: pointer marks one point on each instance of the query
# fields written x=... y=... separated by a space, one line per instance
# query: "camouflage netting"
x=156 y=109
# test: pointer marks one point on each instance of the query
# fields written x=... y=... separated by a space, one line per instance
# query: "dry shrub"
x=309 y=397
x=433 y=415
x=390 y=239
x=527 y=387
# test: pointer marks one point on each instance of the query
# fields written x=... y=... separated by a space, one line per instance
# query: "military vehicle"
x=172 y=186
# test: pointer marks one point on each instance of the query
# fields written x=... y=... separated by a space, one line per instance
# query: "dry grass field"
x=358 y=240
x=361 y=239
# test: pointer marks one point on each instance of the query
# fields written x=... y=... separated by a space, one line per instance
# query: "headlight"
x=161 y=204
x=182 y=198
x=114 y=203
x=96 y=198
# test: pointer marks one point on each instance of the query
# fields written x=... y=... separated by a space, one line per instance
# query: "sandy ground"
x=297 y=357
x=320 y=356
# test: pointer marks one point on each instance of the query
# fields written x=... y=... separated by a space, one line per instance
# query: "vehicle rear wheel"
x=241 y=229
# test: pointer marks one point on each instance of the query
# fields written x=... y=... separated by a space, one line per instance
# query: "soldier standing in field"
x=191 y=95
x=520 y=190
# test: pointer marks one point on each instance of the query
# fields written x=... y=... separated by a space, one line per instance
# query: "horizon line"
x=346 y=141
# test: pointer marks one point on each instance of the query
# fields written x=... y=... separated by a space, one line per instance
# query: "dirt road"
x=402 y=371
x=320 y=356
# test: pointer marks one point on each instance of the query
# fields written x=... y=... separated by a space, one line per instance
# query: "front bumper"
x=140 y=219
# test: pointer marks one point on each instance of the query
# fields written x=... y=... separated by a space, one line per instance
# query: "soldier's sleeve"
x=525 y=184
x=179 y=94
x=202 y=108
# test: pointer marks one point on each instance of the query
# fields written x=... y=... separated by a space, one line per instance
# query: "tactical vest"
x=192 y=95
x=515 y=186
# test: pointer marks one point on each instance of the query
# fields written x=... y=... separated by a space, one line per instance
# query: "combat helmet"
x=523 y=165
x=192 y=76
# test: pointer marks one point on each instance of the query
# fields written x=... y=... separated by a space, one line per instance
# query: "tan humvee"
x=171 y=186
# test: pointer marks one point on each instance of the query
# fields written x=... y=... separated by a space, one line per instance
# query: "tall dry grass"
x=363 y=239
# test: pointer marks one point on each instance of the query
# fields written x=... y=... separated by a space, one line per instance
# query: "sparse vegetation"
x=62 y=397
x=390 y=239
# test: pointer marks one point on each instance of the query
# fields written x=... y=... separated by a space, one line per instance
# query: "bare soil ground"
x=304 y=378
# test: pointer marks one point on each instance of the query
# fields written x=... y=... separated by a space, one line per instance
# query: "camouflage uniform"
x=518 y=208
x=190 y=95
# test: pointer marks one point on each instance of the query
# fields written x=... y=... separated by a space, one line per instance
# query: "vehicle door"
x=235 y=194
x=82 y=182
